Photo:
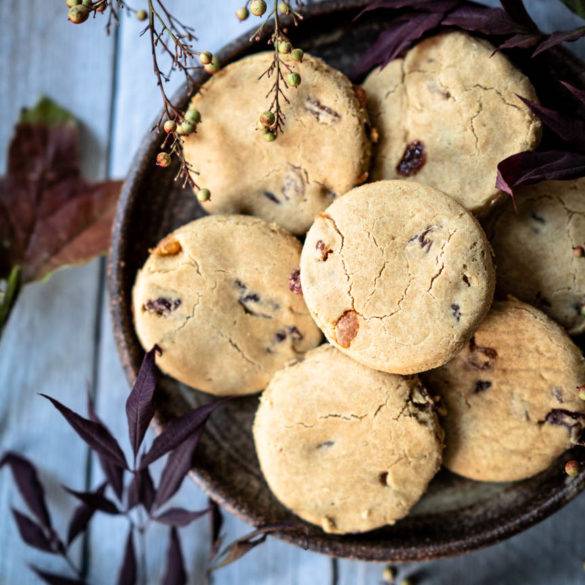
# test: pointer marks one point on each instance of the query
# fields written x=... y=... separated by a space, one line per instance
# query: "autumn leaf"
x=50 y=216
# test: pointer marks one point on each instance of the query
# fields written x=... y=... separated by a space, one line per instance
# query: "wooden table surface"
x=59 y=339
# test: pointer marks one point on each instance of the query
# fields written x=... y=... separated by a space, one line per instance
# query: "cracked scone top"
x=323 y=152
x=538 y=257
x=215 y=297
x=397 y=275
x=447 y=114
x=343 y=446
x=511 y=395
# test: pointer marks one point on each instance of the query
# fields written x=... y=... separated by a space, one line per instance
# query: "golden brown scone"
x=343 y=446
x=540 y=254
x=323 y=152
x=447 y=114
x=397 y=275
x=511 y=396
x=215 y=296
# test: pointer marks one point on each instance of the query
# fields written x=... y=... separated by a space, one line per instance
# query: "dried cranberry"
x=162 y=306
x=413 y=159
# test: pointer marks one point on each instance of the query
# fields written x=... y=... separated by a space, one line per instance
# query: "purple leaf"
x=95 y=434
x=128 y=570
x=558 y=38
x=140 y=404
x=396 y=39
x=518 y=13
x=175 y=573
x=33 y=534
x=95 y=500
x=177 y=430
x=487 y=21
x=216 y=518
x=569 y=129
x=180 y=517
x=176 y=469
x=520 y=41
x=579 y=94
x=423 y=5
x=113 y=472
x=81 y=517
x=141 y=490
x=526 y=168
x=54 y=579
x=29 y=486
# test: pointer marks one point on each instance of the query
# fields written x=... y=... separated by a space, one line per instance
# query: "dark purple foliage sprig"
x=564 y=161
x=133 y=491
x=509 y=27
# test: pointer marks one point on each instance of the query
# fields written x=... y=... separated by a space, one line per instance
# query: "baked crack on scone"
x=397 y=275
x=216 y=297
x=323 y=152
x=346 y=447
x=540 y=250
x=511 y=396
x=447 y=114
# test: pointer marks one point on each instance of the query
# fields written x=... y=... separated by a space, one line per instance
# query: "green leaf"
x=577 y=6
x=47 y=113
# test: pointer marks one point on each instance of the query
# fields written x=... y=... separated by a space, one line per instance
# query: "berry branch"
x=272 y=121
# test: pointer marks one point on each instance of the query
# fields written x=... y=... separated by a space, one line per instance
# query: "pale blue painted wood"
x=48 y=345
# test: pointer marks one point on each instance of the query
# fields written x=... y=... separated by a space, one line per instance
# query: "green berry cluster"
x=258 y=8
x=210 y=62
x=80 y=10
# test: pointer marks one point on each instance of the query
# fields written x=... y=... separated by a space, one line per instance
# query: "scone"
x=397 y=275
x=540 y=250
x=343 y=446
x=215 y=296
x=447 y=114
x=511 y=396
x=323 y=152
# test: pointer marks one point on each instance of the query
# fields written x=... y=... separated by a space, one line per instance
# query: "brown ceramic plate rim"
x=317 y=542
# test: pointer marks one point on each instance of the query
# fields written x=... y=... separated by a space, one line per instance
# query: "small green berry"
x=212 y=67
x=141 y=15
x=284 y=47
x=389 y=574
x=294 y=79
x=257 y=7
x=71 y=3
x=169 y=126
x=185 y=128
x=572 y=468
x=163 y=159
x=192 y=115
x=78 y=14
x=87 y=3
x=203 y=195
x=298 y=55
x=267 y=119
x=242 y=13
x=284 y=8
x=205 y=58
x=269 y=136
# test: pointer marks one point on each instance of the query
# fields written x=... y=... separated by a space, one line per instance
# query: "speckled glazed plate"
x=456 y=515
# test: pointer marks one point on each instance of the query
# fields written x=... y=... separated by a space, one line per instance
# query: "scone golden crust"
x=447 y=114
x=343 y=446
x=215 y=297
x=397 y=275
x=511 y=396
x=323 y=152
x=539 y=248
